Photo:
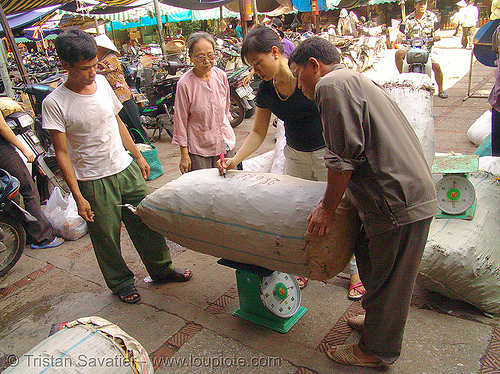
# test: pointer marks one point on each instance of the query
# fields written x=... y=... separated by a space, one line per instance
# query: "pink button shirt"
x=202 y=118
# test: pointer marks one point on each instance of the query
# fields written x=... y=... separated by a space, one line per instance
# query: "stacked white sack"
x=254 y=218
x=413 y=93
x=480 y=129
x=461 y=259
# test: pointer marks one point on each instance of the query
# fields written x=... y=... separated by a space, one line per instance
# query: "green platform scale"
x=456 y=196
x=268 y=298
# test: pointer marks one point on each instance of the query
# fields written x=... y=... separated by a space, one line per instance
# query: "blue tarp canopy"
x=20 y=21
x=305 y=5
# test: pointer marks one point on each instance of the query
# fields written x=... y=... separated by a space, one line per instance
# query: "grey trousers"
x=201 y=162
x=388 y=265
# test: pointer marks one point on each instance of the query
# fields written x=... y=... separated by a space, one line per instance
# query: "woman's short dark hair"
x=319 y=48
x=261 y=39
x=196 y=37
x=74 y=46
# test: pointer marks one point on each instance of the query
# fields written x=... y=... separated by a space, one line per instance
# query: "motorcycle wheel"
x=12 y=242
x=250 y=112
x=236 y=109
x=363 y=63
x=348 y=61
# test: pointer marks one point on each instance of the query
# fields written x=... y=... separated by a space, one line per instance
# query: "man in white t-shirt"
x=90 y=140
x=469 y=17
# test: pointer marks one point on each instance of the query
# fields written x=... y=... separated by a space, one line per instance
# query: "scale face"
x=280 y=293
x=455 y=194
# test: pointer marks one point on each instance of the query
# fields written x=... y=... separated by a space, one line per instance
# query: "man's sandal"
x=344 y=354
x=129 y=291
x=177 y=275
x=443 y=95
x=357 y=322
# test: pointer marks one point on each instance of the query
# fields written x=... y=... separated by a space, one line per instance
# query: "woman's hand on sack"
x=84 y=210
x=320 y=220
x=229 y=163
x=144 y=166
x=185 y=164
x=29 y=155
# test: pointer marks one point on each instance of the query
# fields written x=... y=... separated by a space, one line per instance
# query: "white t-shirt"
x=94 y=142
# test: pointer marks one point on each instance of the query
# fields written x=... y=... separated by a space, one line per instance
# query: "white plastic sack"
x=279 y=155
x=480 y=129
x=261 y=163
x=490 y=164
x=62 y=213
x=462 y=258
x=413 y=94
x=86 y=346
x=253 y=218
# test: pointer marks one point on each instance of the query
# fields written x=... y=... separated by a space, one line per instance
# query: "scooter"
x=12 y=219
x=242 y=103
x=417 y=59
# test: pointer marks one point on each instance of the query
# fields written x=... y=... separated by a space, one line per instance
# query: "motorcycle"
x=242 y=97
x=28 y=130
x=159 y=113
x=12 y=217
x=370 y=43
x=417 y=59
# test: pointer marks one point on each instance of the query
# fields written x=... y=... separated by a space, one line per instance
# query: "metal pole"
x=254 y=8
x=4 y=72
x=160 y=29
x=17 y=56
x=96 y=25
x=403 y=10
x=243 y=22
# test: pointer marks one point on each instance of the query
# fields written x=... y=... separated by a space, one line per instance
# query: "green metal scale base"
x=249 y=279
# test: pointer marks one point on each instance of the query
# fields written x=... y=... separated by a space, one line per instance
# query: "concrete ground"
x=189 y=327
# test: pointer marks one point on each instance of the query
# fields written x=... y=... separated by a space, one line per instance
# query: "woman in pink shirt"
x=202 y=126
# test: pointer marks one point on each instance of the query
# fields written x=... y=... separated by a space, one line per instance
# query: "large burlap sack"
x=462 y=258
x=253 y=218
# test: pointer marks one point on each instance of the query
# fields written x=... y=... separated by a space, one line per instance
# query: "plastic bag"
x=62 y=214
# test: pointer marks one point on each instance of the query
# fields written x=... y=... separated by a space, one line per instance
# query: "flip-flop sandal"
x=52 y=244
x=443 y=95
x=344 y=354
x=358 y=288
x=177 y=275
x=128 y=291
x=304 y=281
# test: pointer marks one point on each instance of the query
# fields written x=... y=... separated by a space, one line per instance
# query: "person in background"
x=288 y=46
x=239 y=29
x=375 y=158
x=494 y=99
x=111 y=68
x=41 y=231
x=470 y=16
x=202 y=126
x=421 y=24
x=458 y=17
x=344 y=26
x=278 y=94
x=91 y=143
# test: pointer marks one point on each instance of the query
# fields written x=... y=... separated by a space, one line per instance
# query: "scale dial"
x=280 y=293
x=455 y=194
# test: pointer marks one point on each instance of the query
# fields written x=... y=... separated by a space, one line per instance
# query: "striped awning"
x=17 y=6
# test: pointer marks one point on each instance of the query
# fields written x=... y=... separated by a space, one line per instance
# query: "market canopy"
x=196 y=4
x=23 y=20
x=17 y=6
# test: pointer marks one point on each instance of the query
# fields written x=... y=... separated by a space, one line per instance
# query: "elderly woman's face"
x=203 y=55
